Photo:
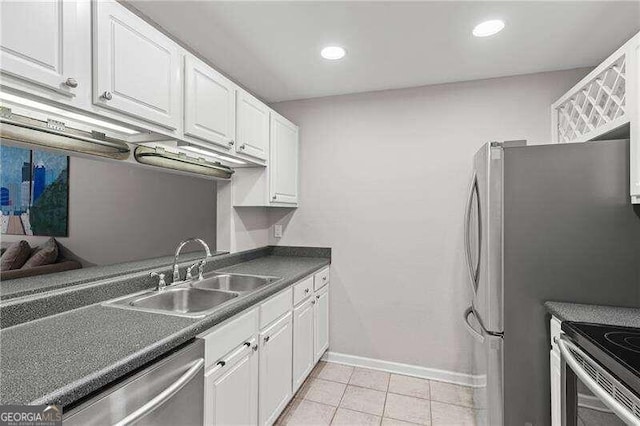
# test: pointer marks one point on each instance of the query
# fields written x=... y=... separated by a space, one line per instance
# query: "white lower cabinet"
x=321 y=322
x=256 y=360
x=231 y=389
x=276 y=355
x=303 y=344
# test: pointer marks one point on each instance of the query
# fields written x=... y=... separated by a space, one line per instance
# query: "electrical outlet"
x=277 y=231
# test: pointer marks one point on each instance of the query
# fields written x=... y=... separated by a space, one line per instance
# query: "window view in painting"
x=34 y=192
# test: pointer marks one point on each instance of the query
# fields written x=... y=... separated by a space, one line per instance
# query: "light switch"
x=277 y=231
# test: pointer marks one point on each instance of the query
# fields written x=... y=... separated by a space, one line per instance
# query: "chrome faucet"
x=176 y=272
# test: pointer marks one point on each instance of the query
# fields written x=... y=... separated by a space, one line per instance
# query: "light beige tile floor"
x=336 y=394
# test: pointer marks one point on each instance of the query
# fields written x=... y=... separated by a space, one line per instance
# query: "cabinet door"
x=276 y=348
x=137 y=69
x=252 y=129
x=321 y=322
x=283 y=164
x=209 y=104
x=38 y=43
x=303 y=352
x=556 y=388
x=231 y=394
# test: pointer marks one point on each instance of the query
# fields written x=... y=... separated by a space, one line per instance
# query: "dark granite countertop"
x=596 y=314
x=62 y=358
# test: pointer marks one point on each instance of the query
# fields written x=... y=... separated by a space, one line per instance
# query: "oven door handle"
x=566 y=347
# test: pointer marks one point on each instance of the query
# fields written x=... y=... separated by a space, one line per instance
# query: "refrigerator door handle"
x=472 y=269
x=476 y=335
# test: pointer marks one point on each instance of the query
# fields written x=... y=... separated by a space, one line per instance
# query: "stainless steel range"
x=600 y=374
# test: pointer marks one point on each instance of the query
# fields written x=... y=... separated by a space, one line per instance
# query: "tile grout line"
x=340 y=402
x=384 y=406
x=430 y=405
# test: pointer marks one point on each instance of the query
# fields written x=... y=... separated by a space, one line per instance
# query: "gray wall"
x=120 y=212
x=384 y=178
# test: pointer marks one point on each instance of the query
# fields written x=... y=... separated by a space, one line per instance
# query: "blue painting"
x=34 y=192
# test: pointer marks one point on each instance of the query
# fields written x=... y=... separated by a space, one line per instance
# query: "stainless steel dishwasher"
x=168 y=392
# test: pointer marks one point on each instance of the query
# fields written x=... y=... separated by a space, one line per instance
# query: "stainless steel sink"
x=232 y=282
x=183 y=300
x=194 y=298
x=180 y=300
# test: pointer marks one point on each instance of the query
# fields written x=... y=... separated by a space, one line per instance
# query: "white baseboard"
x=407 y=369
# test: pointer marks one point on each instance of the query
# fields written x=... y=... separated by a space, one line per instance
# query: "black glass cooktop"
x=615 y=348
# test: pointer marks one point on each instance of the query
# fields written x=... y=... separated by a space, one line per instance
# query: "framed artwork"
x=34 y=192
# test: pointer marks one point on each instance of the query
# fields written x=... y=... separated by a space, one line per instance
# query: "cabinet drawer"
x=320 y=279
x=227 y=336
x=275 y=307
x=302 y=290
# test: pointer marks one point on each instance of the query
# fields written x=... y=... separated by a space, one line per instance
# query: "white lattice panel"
x=598 y=102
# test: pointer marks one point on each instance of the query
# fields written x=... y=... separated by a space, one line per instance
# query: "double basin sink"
x=194 y=298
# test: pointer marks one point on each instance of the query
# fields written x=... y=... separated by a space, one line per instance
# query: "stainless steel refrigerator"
x=543 y=222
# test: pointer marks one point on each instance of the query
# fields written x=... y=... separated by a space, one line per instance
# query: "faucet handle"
x=201 y=266
x=189 y=273
x=161 y=282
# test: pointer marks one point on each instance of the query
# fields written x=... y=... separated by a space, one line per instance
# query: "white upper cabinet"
x=634 y=103
x=38 y=43
x=252 y=126
x=209 y=103
x=604 y=105
x=283 y=161
x=137 y=69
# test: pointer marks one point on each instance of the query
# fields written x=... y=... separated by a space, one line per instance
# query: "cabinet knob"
x=107 y=96
x=255 y=348
x=243 y=146
x=317 y=297
x=313 y=302
x=71 y=82
x=266 y=339
x=231 y=142
x=324 y=278
x=274 y=197
x=306 y=290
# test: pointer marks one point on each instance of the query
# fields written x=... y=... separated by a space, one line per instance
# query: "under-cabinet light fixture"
x=42 y=107
x=210 y=154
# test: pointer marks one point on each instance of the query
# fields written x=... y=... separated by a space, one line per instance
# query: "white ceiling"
x=272 y=48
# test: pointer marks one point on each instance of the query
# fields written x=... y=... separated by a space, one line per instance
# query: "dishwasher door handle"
x=163 y=396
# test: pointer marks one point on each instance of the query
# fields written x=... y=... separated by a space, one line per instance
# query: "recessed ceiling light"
x=488 y=28
x=333 y=52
